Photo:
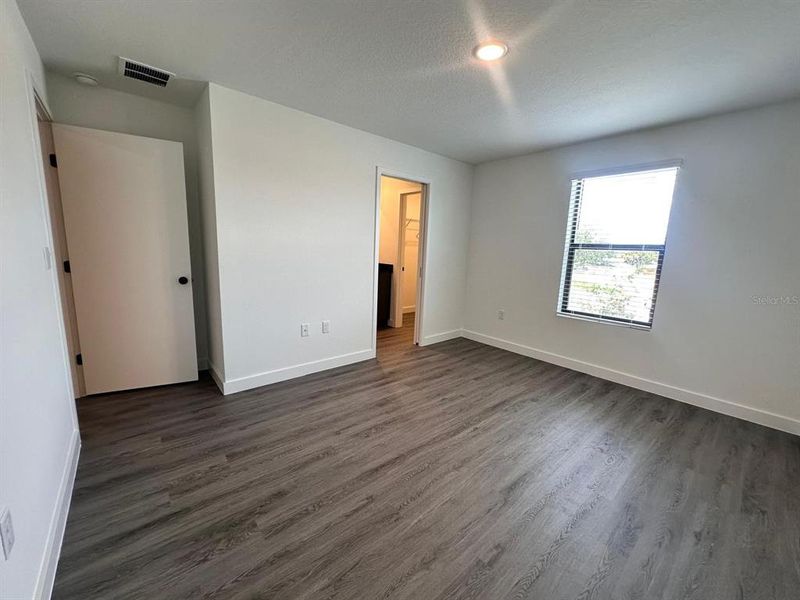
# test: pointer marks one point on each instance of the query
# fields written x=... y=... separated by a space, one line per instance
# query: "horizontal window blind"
x=615 y=243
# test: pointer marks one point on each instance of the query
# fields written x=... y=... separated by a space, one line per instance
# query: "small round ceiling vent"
x=85 y=79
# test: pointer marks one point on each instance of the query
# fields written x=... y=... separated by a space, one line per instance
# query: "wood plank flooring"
x=451 y=471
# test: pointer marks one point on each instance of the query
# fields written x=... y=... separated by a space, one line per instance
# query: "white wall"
x=733 y=236
x=391 y=189
x=38 y=427
x=111 y=110
x=411 y=253
x=293 y=248
x=206 y=197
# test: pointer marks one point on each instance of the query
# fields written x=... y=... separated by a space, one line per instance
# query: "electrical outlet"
x=304 y=330
x=501 y=314
x=6 y=532
x=326 y=326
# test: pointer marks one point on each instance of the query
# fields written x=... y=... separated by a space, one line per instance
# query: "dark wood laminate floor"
x=452 y=471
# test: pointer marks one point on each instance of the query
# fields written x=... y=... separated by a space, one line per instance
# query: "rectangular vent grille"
x=142 y=72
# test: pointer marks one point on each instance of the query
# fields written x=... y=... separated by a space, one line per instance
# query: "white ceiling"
x=576 y=70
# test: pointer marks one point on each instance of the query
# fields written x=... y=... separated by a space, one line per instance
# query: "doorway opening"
x=403 y=204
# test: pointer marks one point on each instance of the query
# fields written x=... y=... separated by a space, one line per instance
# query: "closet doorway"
x=400 y=258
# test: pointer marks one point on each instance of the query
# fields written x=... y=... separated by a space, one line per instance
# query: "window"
x=616 y=236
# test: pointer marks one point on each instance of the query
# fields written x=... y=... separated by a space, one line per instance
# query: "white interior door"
x=124 y=203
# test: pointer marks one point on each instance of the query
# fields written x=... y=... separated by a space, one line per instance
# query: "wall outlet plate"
x=304 y=330
x=6 y=532
x=501 y=314
x=326 y=326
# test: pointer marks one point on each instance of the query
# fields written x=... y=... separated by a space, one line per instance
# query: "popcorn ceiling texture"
x=403 y=69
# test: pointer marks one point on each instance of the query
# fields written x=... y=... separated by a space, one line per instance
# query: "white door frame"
x=423 y=248
x=40 y=109
x=60 y=253
x=399 y=309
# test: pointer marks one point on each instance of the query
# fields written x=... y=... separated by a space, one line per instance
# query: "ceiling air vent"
x=142 y=72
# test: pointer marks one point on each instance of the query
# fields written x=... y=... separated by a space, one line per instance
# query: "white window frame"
x=570 y=245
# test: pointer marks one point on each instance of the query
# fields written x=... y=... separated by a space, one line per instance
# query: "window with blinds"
x=616 y=234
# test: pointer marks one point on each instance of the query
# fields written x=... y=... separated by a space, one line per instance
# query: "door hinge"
x=79 y=359
x=53 y=161
x=67 y=268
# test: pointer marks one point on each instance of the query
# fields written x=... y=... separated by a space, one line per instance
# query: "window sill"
x=604 y=321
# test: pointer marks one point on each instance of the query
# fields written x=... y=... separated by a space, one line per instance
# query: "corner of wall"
x=470 y=236
x=208 y=211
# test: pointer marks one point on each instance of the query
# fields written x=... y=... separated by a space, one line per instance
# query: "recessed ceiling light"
x=490 y=50
x=85 y=79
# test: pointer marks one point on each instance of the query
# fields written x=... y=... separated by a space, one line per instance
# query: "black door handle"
x=183 y=280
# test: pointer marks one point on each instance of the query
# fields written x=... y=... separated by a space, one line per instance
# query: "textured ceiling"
x=576 y=70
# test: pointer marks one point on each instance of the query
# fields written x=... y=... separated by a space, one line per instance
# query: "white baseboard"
x=58 y=522
x=719 y=405
x=441 y=337
x=409 y=309
x=253 y=381
x=202 y=364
